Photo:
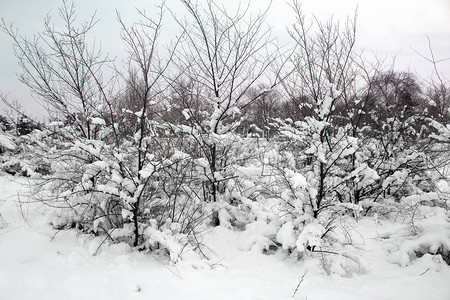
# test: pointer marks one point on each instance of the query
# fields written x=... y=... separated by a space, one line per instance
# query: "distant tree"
x=61 y=69
x=439 y=102
x=26 y=125
x=262 y=110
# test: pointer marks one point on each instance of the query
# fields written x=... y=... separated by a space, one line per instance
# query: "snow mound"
x=257 y=236
x=310 y=237
x=430 y=235
x=286 y=236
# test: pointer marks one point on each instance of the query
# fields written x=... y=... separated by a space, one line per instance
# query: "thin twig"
x=12 y=229
x=299 y=283
x=171 y=271
x=425 y=271
x=104 y=240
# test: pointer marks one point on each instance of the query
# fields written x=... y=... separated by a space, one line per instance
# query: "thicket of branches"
x=223 y=127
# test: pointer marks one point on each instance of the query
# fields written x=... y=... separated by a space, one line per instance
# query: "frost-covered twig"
x=12 y=229
x=108 y=235
x=3 y=223
x=425 y=271
x=324 y=251
x=171 y=271
x=25 y=215
x=299 y=283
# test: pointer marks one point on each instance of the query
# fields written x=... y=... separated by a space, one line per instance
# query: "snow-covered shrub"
x=273 y=206
x=150 y=160
x=99 y=189
x=24 y=159
x=324 y=174
x=219 y=73
x=115 y=168
x=426 y=231
x=168 y=237
x=8 y=148
x=6 y=142
x=25 y=125
x=324 y=142
x=402 y=168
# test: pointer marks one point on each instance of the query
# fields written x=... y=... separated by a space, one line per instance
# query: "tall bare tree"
x=224 y=55
x=61 y=69
x=323 y=75
x=146 y=82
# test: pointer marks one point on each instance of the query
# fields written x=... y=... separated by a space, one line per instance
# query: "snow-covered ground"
x=39 y=263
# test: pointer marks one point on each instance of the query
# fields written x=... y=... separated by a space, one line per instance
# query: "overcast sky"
x=388 y=27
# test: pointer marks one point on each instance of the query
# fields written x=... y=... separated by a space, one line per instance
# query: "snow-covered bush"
x=100 y=178
x=426 y=230
x=101 y=189
x=6 y=142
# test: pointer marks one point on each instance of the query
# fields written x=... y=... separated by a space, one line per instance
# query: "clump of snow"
x=257 y=236
x=286 y=235
x=310 y=237
x=157 y=238
x=249 y=171
x=185 y=113
x=98 y=121
x=6 y=142
x=425 y=197
x=147 y=171
x=297 y=180
x=429 y=234
x=443 y=186
x=224 y=218
x=56 y=124
x=125 y=232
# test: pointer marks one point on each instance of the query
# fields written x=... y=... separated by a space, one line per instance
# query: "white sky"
x=387 y=27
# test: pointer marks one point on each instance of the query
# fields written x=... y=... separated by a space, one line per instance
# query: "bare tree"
x=439 y=88
x=146 y=82
x=66 y=74
x=324 y=75
x=224 y=55
x=61 y=69
x=261 y=112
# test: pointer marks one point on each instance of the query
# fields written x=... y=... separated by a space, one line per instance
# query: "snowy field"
x=39 y=263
